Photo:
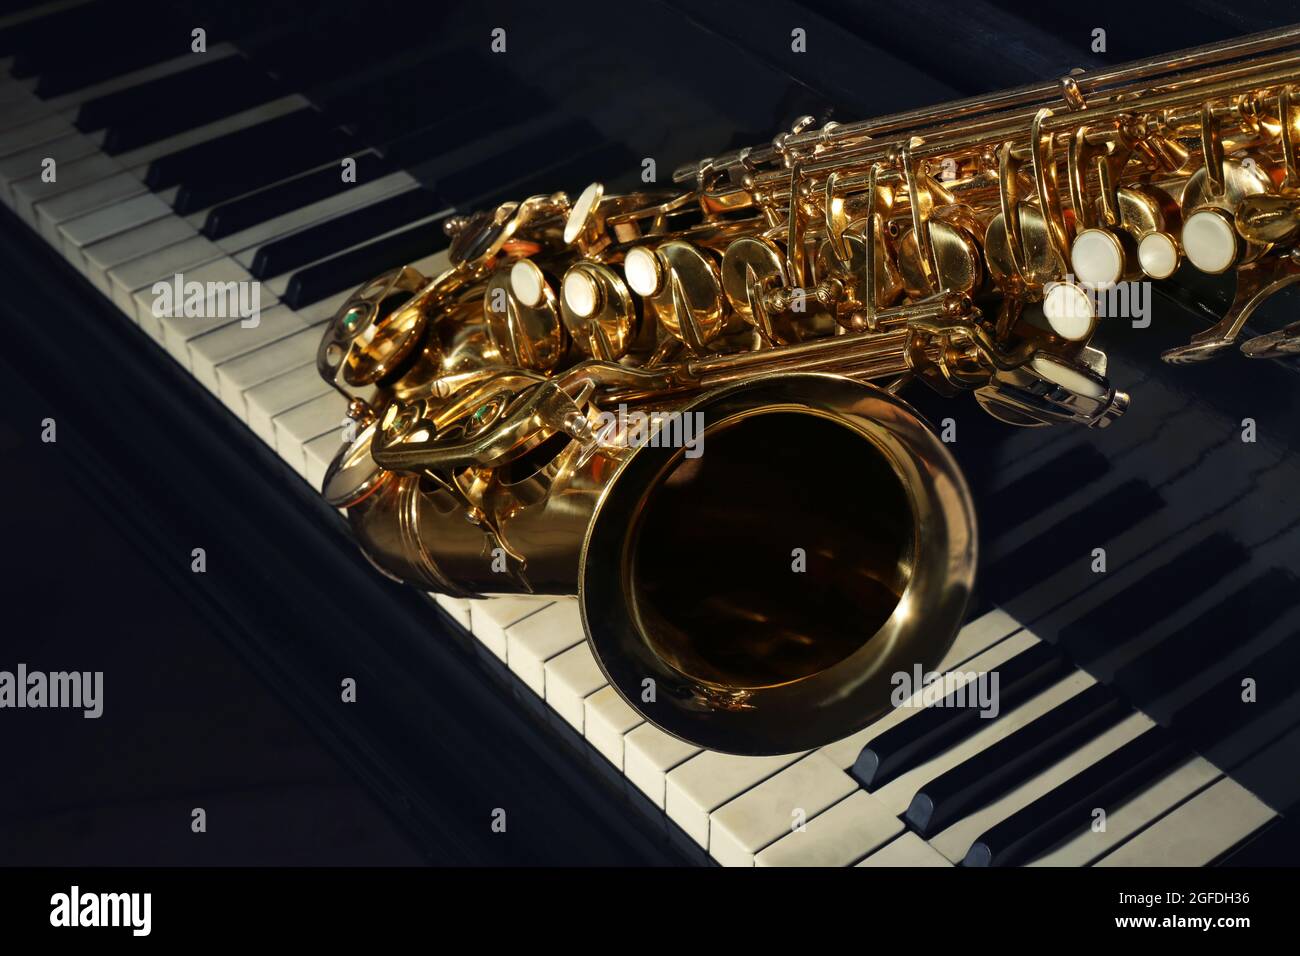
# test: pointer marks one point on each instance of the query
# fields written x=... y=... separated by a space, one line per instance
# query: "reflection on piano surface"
x=1121 y=691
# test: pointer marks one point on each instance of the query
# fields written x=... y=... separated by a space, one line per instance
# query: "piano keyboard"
x=135 y=202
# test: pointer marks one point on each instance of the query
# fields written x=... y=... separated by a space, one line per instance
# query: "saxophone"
x=637 y=399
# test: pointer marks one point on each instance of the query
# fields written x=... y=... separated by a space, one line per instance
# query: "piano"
x=140 y=140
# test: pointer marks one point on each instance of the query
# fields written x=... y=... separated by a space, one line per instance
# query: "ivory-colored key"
x=460 y=609
x=571 y=678
x=92 y=227
x=1198 y=832
x=279 y=394
x=538 y=638
x=129 y=277
x=492 y=617
x=839 y=836
x=33 y=189
x=52 y=213
x=236 y=377
x=20 y=165
x=708 y=780
x=299 y=425
x=779 y=805
x=649 y=755
x=607 y=722
x=235 y=340
x=102 y=256
x=908 y=850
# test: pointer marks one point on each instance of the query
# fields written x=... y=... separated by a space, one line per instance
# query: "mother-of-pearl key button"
x=538 y=638
x=906 y=851
x=839 y=836
x=779 y=805
x=1198 y=832
x=494 y=616
x=571 y=678
x=708 y=780
x=607 y=721
x=649 y=755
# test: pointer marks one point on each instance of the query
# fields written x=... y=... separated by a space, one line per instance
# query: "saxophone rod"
x=1036 y=93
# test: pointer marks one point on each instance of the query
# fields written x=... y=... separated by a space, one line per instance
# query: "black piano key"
x=259 y=170
x=465 y=187
x=98 y=58
x=1181 y=658
x=332 y=276
x=940 y=727
x=1068 y=808
x=150 y=111
x=343 y=232
x=1038 y=490
x=1153 y=597
x=385 y=107
x=1071 y=540
x=1006 y=764
x=290 y=194
x=466 y=123
x=301 y=131
x=30 y=41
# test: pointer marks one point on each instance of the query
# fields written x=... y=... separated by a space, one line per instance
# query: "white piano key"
x=243 y=245
x=908 y=850
x=844 y=753
x=839 y=836
x=236 y=297
x=708 y=780
x=320 y=451
x=52 y=213
x=35 y=133
x=897 y=794
x=299 y=425
x=1132 y=815
x=954 y=841
x=1198 y=832
x=608 y=719
x=26 y=162
x=128 y=277
x=460 y=609
x=31 y=190
x=22 y=111
x=277 y=395
x=760 y=816
x=236 y=377
x=14 y=92
x=571 y=678
x=235 y=340
x=978 y=636
x=492 y=617
x=538 y=638
x=649 y=755
x=92 y=227
x=144 y=240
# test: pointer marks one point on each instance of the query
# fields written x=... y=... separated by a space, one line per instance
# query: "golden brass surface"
x=683 y=406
